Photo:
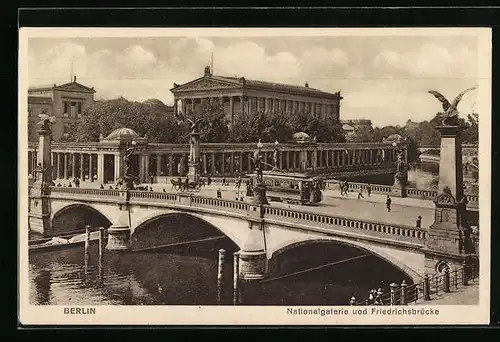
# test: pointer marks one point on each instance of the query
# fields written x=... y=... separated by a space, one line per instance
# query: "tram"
x=293 y=188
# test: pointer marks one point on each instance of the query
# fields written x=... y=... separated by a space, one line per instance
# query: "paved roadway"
x=403 y=210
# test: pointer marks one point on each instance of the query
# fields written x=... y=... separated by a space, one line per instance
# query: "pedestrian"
x=77 y=182
x=101 y=187
x=419 y=222
x=164 y=190
x=388 y=203
x=360 y=193
x=241 y=198
x=371 y=297
x=369 y=190
x=69 y=185
x=223 y=181
x=110 y=187
x=209 y=180
x=152 y=178
x=219 y=194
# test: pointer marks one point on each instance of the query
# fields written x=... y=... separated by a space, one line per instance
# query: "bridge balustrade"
x=85 y=191
x=398 y=233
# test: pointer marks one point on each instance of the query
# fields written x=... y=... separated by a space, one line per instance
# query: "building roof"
x=71 y=87
x=39 y=100
x=209 y=82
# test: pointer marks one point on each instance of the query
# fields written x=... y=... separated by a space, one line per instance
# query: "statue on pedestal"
x=127 y=179
x=450 y=115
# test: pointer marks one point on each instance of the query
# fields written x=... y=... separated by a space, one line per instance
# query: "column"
x=73 y=165
x=91 y=178
x=81 y=166
x=242 y=104
x=100 y=168
x=58 y=165
x=170 y=164
x=249 y=162
x=117 y=170
x=223 y=164
x=231 y=108
x=241 y=162
x=158 y=165
x=143 y=167
x=183 y=103
x=65 y=166
x=213 y=164
x=204 y=163
x=231 y=164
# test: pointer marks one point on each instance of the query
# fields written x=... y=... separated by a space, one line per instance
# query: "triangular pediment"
x=206 y=83
x=74 y=86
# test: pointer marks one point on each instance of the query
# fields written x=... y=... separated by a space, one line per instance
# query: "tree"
x=102 y=117
x=470 y=134
x=214 y=129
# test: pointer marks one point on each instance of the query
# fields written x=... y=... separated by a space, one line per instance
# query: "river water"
x=188 y=276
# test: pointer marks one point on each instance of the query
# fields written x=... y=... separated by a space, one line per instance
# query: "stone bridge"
x=260 y=232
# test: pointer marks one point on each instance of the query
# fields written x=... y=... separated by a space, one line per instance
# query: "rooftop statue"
x=450 y=117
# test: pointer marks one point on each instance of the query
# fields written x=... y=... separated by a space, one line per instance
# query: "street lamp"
x=259 y=192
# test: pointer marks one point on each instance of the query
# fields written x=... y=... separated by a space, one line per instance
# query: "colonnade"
x=247 y=104
x=105 y=167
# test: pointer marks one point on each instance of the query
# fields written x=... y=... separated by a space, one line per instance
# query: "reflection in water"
x=42 y=286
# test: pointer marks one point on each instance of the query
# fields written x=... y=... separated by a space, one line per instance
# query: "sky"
x=382 y=78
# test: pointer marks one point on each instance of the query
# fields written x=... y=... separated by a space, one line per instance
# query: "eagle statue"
x=450 y=109
x=46 y=121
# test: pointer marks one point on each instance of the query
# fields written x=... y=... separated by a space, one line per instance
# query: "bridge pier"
x=253 y=258
x=119 y=232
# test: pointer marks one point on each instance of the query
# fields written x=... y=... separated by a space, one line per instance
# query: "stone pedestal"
x=450 y=161
x=193 y=174
x=119 y=232
x=253 y=259
x=259 y=195
x=448 y=239
x=194 y=157
x=39 y=198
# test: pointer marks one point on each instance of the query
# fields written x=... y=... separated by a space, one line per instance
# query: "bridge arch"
x=181 y=227
x=76 y=216
x=402 y=265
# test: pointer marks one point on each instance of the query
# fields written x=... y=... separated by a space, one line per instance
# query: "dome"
x=154 y=102
x=301 y=136
x=394 y=137
x=123 y=134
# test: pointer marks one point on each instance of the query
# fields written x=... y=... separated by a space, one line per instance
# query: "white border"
x=194 y=315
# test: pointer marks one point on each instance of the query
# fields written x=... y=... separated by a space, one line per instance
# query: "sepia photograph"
x=254 y=176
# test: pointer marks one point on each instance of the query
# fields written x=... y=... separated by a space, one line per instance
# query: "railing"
x=85 y=191
x=374 y=229
x=386 y=189
x=404 y=294
x=421 y=194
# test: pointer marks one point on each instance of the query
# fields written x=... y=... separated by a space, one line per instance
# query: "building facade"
x=238 y=96
x=66 y=102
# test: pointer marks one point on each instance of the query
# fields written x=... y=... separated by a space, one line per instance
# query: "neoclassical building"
x=241 y=95
x=66 y=102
